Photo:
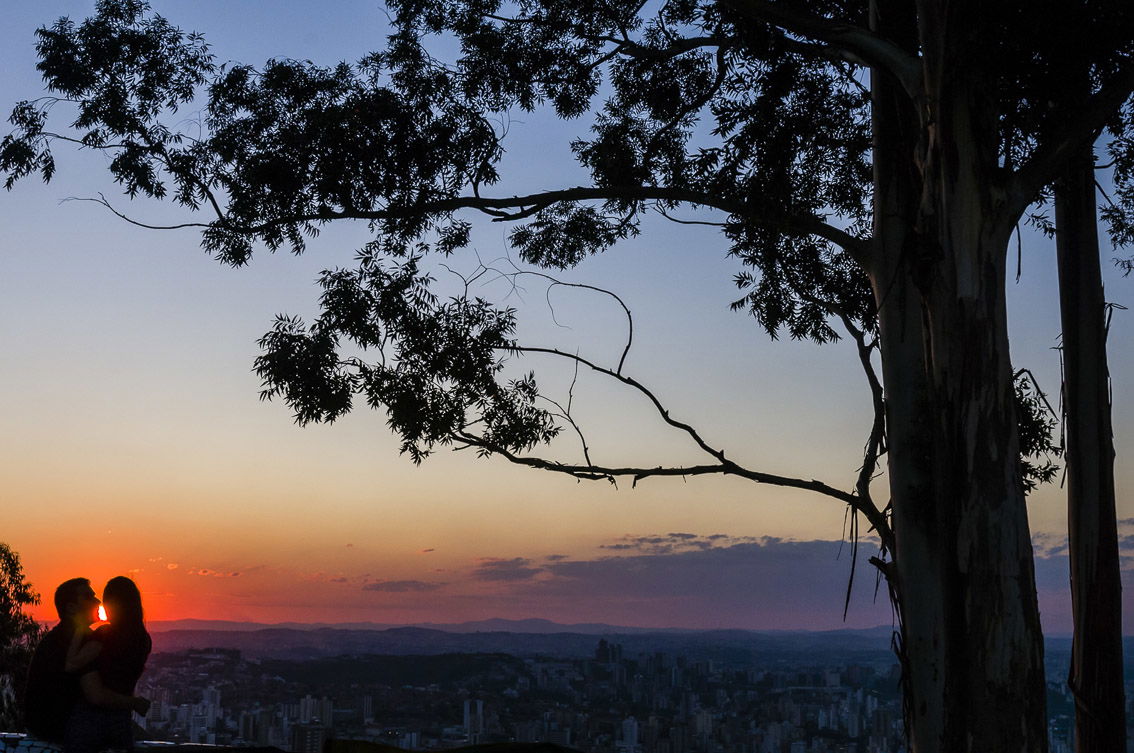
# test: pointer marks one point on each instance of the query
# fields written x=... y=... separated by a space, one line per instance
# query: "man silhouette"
x=53 y=681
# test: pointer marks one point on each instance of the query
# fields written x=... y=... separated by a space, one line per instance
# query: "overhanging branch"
x=638 y=473
x=859 y=42
x=858 y=501
x=1081 y=127
x=510 y=208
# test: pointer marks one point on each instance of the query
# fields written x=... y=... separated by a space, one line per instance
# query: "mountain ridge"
x=532 y=625
x=281 y=641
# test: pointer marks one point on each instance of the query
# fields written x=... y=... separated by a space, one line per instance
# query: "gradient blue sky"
x=134 y=441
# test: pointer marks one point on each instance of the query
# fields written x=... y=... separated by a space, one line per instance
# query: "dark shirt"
x=123 y=657
x=52 y=692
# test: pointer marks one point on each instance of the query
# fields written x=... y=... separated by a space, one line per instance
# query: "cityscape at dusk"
x=135 y=442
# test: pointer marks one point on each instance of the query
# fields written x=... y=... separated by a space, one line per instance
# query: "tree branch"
x=802 y=224
x=645 y=391
x=640 y=51
x=565 y=414
x=610 y=473
x=875 y=442
x=527 y=205
x=876 y=439
x=691 y=108
x=101 y=200
x=860 y=42
x=861 y=503
x=1080 y=127
x=582 y=286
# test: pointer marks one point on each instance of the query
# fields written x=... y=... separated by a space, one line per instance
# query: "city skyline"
x=136 y=444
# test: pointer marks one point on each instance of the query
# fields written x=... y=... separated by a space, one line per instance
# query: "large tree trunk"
x=1096 y=591
x=973 y=649
x=962 y=572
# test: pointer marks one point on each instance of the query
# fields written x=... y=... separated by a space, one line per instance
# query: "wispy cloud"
x=690 y=580
x=402 y=586
x=1049 y=544
x=515 y=569
x=669 y=543
x=208 y=573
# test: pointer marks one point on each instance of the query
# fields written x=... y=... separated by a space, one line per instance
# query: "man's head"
x=76 y=596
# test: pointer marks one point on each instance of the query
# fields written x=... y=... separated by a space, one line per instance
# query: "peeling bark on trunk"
x=1096 y=590
x=972 y=648
x=963 y=557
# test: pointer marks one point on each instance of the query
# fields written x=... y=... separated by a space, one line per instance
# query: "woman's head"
x=123 y=602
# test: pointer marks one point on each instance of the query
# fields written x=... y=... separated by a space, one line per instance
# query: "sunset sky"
x=134 y=442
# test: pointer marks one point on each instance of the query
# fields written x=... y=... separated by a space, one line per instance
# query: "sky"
x=134 y=441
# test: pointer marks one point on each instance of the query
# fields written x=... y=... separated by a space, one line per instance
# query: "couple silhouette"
x=80 y=688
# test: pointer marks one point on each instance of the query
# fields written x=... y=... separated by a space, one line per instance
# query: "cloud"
x=747 y=572
x=515 y=569
x=402 y=586
x=1053 y=576
x=555 y=557
x=1048 y=544
x=208 y=573
x=686 y=581
x=673 y=542
x=339 y=579
x=171 y=566
x=1051 y=544
x=427 y=551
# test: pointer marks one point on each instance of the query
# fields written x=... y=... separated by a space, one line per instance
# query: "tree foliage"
x=866 y=163
x=19 y=634
x=700 y=107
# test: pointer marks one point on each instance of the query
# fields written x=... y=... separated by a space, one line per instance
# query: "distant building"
x=316 y=711
x=474 y=720
x=308 y=738
x=629 y=742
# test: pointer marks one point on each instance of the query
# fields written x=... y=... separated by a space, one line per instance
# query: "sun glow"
x=101 y=613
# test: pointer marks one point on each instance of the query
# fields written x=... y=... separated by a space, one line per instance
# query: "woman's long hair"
x=126 y=601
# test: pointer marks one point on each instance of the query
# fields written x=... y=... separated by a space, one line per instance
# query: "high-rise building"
x=308 y=709
x=308 y=738
x=249 y=728
x=367 y=708
x=474 y=719
x=630 y=735
x=316 y=710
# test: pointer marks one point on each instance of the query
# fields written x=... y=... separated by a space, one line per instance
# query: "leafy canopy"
x=758 y=111
x=19 y=634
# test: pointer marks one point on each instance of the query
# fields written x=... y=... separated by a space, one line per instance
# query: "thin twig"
x=102 y=200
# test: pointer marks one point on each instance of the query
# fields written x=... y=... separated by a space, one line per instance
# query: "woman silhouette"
x=120 y=649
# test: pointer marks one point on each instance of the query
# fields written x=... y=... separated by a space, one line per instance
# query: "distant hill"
x=733 y=646
x=494 y=625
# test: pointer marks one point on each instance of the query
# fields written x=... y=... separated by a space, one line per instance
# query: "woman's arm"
x=80 y=654
x=99 y=695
